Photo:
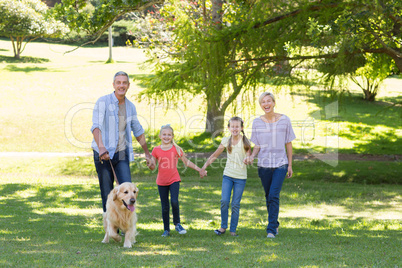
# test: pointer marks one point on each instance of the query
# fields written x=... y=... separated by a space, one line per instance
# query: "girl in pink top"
x=168 y=179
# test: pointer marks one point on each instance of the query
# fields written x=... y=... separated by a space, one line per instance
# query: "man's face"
x=121 y=85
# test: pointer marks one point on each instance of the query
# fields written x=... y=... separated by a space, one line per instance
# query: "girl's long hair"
x=178 y=148
x=246 y=142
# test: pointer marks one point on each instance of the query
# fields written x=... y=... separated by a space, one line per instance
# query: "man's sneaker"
x=180 y=229
x=166 y=233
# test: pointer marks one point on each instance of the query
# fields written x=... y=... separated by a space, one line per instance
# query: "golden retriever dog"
x=120 y=214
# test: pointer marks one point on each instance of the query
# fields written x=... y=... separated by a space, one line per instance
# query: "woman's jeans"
x=272 y=180
x=121 y=165
x=237 y=185
x=174 y=200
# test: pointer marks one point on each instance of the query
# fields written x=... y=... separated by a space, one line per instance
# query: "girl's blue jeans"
x=237 y=185
x=272 y=180
x=174 y=201
x=121 y=166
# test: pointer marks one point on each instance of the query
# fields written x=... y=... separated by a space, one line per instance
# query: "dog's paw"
x=127 y=245
x=104 y=241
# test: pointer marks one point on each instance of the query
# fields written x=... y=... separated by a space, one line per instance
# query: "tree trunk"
x=398 y=62
x=368 y=95
x=215 y=113
x=217 y=13
x=396 y=57
x=215 y=119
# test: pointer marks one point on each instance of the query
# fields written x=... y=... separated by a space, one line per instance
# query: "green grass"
x=47 y=97
x=49 y=221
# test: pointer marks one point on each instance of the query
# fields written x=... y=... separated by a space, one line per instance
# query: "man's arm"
x=103 y=154
x=150 y=160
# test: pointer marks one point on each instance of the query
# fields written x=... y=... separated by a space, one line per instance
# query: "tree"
x=215 y=50
x=26 y=20
x=370 y=76
x=104 y=14
x=192 y=60
x=335 y=35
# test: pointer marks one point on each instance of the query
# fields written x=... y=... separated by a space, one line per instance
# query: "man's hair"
x=121 y=73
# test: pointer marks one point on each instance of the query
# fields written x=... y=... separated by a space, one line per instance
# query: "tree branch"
x=292 y=14
x=123 y=11
x=324 y=56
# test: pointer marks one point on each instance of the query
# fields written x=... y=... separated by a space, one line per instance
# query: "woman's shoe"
x=217 y=232
x=271 y=235
x=233 y=234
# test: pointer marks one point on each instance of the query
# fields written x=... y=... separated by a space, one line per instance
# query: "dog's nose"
x=132 y=200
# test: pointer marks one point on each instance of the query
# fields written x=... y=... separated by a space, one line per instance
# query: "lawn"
x=52 y=221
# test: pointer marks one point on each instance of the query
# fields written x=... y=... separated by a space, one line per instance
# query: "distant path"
x=340 y=157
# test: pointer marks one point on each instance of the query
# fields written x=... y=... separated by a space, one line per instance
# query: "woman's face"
x=267 y=104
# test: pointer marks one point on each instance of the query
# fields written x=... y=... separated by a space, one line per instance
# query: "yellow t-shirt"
x=235 y=168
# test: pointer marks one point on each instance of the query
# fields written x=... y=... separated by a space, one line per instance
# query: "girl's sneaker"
x=180 y=229
x=166 y=233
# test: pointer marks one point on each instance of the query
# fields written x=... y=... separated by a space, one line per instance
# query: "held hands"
x=150 y=161
x=203 y=173
x=248 y=160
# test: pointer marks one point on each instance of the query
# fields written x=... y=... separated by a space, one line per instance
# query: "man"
x=114 y=118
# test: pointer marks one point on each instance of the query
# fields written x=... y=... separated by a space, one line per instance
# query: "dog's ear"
x=136 y=192
x=115 y=191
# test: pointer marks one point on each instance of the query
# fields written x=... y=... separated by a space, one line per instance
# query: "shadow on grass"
x=13 y=68
x=364 y=172
x=26 y=59
x=352 y=108
x=105 y=61
x=361 y=120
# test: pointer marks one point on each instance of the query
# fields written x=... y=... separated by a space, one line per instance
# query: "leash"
x=111 y=165
x=114 y=173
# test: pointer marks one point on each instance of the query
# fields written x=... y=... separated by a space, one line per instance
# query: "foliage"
x=377 y=68
x=194 y=55
x=96 y=17
x=26 y=20
x=190 y=59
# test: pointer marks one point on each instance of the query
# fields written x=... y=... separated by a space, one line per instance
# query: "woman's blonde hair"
x=263 y=95
x=178 y=148
x=246 y=142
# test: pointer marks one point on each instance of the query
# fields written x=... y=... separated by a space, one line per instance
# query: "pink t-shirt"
x=272 y=137
x=167 y=169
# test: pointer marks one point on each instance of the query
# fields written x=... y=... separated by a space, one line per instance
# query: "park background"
x=345 y=211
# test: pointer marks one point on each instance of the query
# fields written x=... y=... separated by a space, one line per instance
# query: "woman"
x=272 y=134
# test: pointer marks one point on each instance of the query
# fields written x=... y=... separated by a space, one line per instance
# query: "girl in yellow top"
x=235 y=173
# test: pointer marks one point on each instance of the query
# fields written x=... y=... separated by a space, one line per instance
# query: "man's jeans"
x=121 y=167
x=237 y=185
x=272 y=180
